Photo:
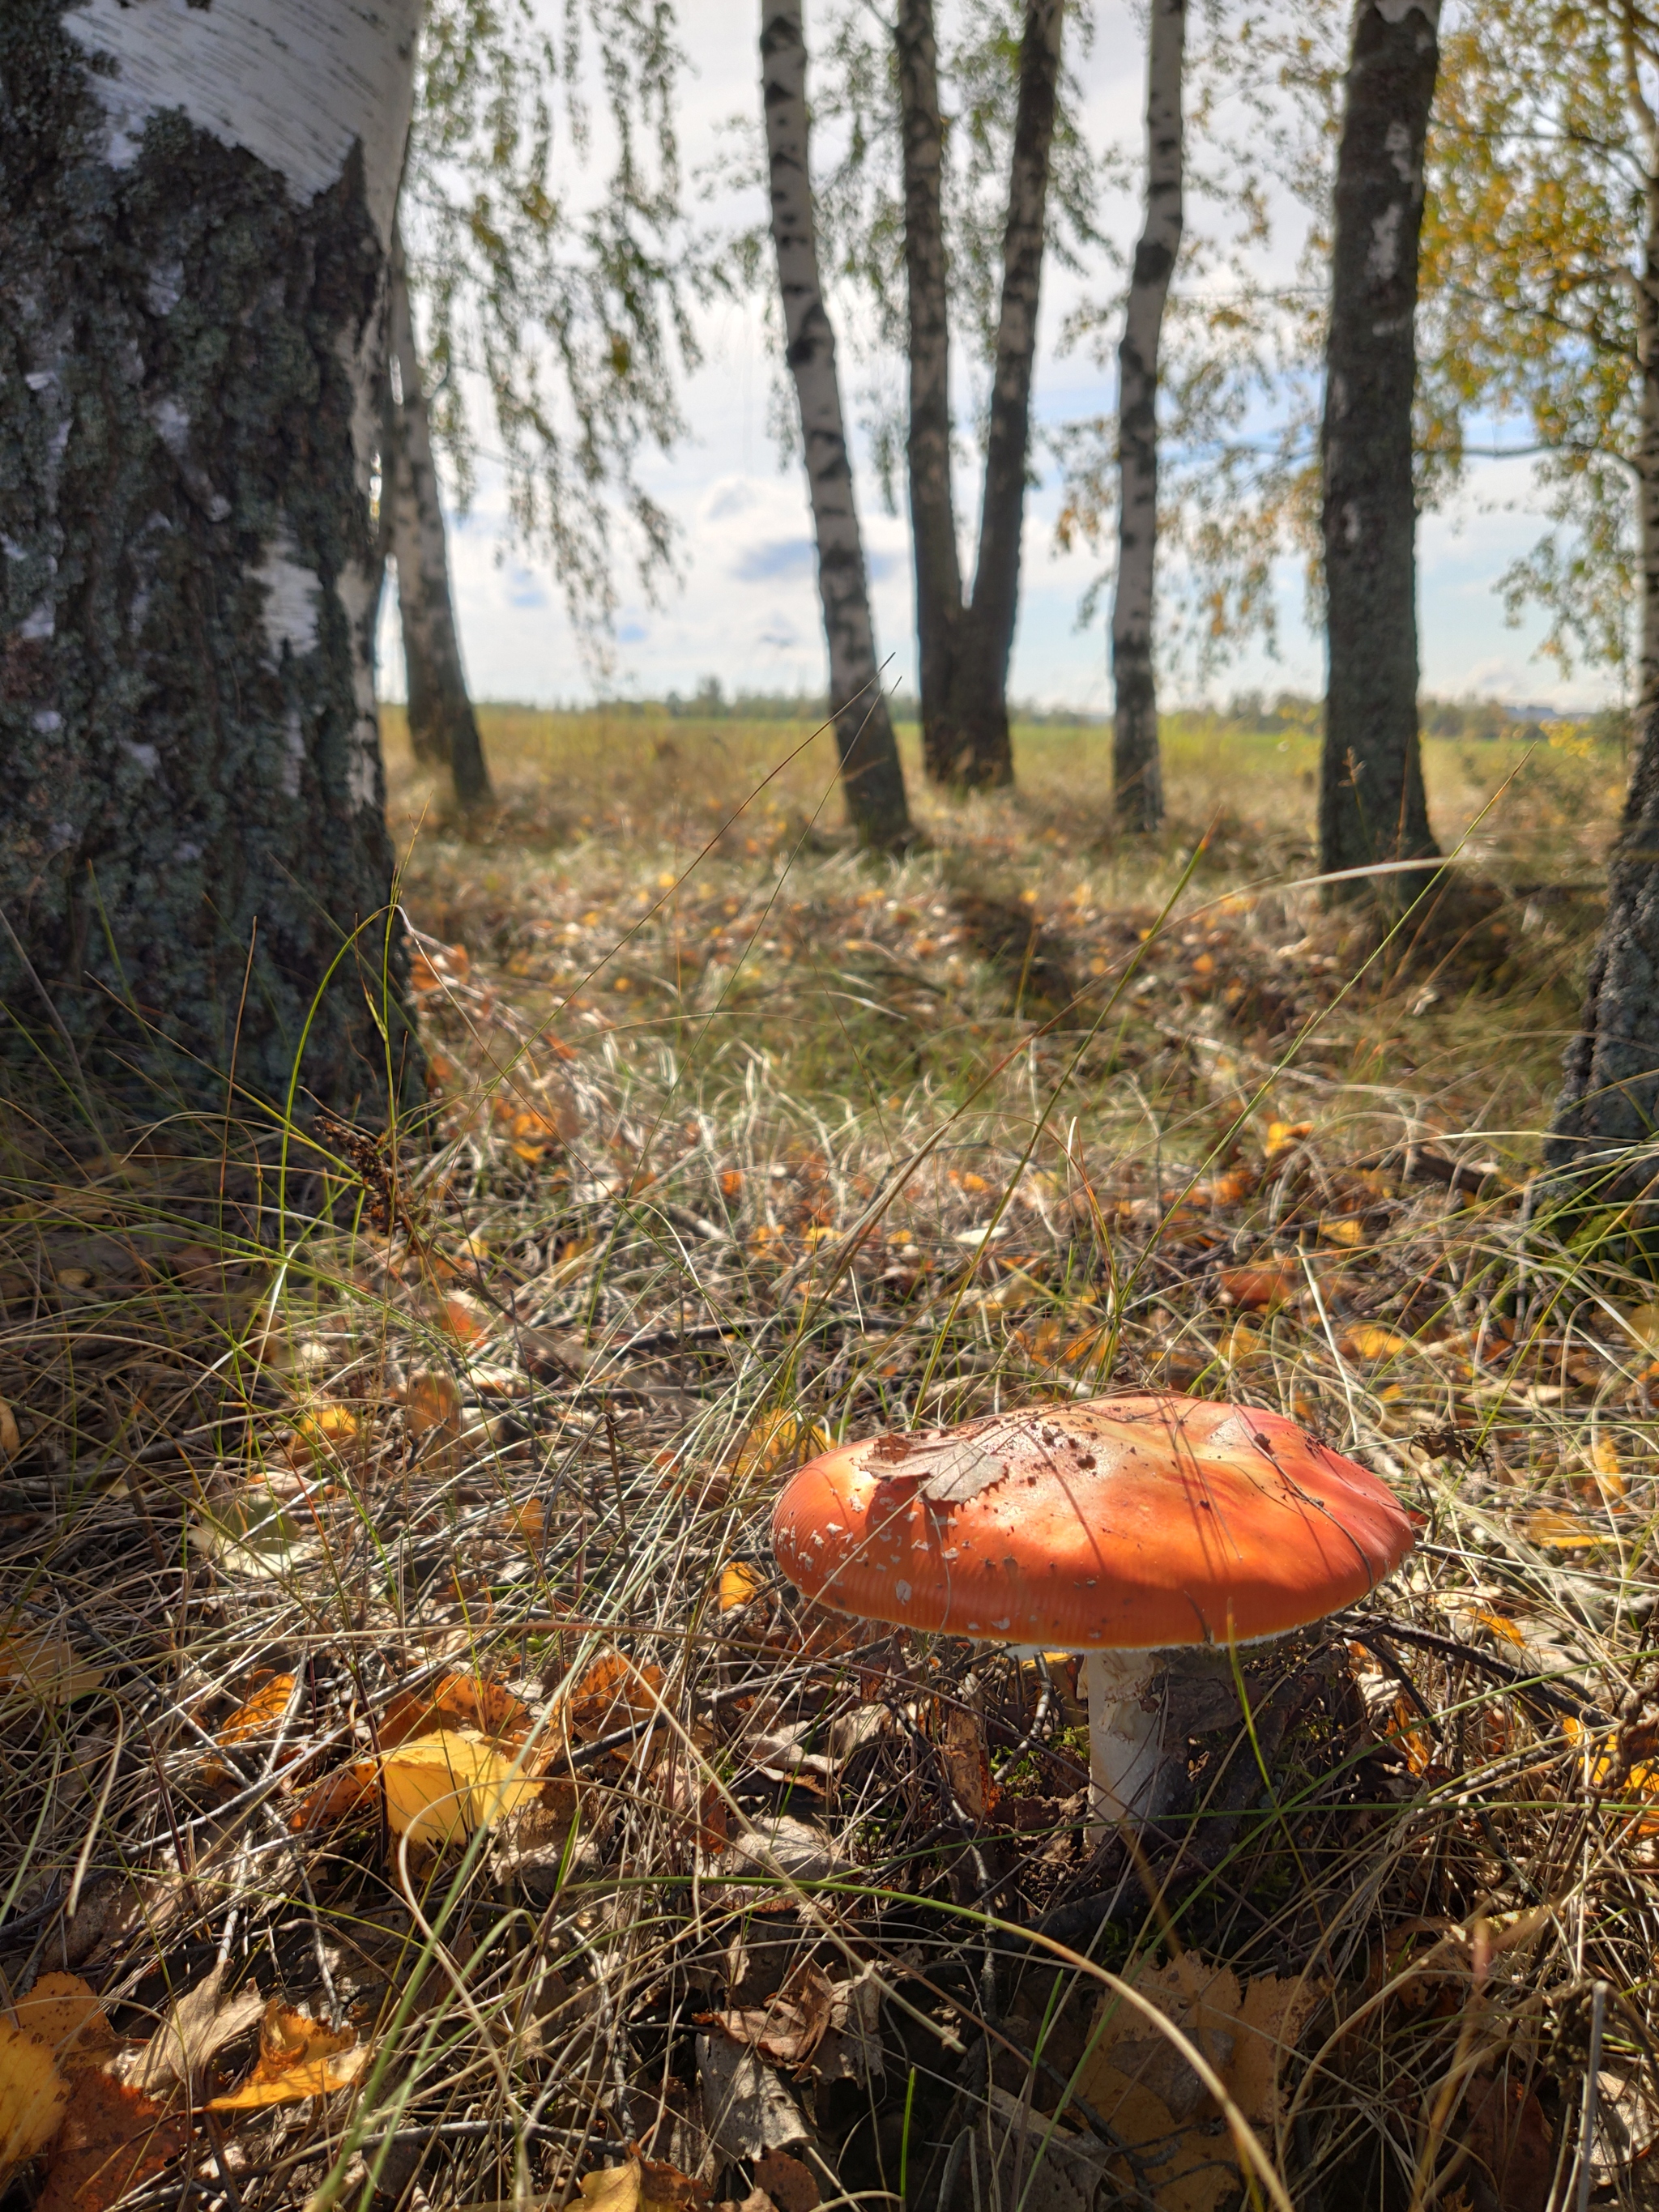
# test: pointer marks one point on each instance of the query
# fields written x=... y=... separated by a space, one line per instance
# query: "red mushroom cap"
x=1121 y=1523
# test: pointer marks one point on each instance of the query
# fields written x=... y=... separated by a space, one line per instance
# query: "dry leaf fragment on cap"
x=32 y=2096
x=65 y=2013
x=1146 y=2090
x=298 y=2057
x=43 y=1664
x=112 y=2139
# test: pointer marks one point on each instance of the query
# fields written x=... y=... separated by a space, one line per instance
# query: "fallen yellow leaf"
x=1282 y=1135
x=1146 y=2091
x=1564 y=1531
x=1604 y=1466
x=1642 y=1323
x=738 y=1583
x=46 y=1666
x=1368 y=1342
x=32 y=2096
x=779 y=1443
x=325 y=1428
x=528 y=1521
x=298 y=2057
x=1342 y=1230
x=1498 y=1625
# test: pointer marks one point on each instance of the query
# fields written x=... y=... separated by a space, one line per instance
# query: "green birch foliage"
x=556 y=304
x=1538 y=172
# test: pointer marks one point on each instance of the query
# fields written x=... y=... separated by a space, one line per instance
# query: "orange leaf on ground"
x=739 y=1583
x=112 y=2139
x=432 y=1405
x=455 y=1701
x=1260 y=1286
x=464 y=1318
x=298 y=2057
x=611 y=1693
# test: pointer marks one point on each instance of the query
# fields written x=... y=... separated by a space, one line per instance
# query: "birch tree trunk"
x=932 y=510
x=1137 y=768
x=442 y=727
x=194 y=866
x=1371 y=806
x=1606 y=1125
x=871 y=772
x=980 y=690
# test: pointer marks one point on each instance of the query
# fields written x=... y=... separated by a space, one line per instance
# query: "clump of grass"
x=860 y=1145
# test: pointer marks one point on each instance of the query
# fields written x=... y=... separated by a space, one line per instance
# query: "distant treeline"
x=1246 y=713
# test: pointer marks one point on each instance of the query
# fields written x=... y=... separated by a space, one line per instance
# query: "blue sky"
x=745 y=610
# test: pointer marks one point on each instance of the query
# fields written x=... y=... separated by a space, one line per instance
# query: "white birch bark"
x=1138 y=780
x=870 y=765
x=191 y=350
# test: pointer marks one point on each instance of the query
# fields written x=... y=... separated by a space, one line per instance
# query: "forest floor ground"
x=424 y=1789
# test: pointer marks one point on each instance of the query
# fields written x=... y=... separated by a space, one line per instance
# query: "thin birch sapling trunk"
x=1606 y=1126
x=871 y=772
x=964 y=649
x=195 y=873
x=442 y=727
x=1136 y=766
x=932 y=510
x=1371 y=804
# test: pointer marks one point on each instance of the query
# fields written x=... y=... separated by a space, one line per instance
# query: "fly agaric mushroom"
x=1123 y=1528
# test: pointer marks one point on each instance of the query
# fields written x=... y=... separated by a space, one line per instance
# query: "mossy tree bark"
x=1371 y=804
x=1606 y=1126
x=1137 y=768
x=965 y=648
x=872 y=776
x=443 y=729
x=195 y=873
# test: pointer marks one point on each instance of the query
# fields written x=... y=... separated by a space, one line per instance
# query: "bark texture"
x=927 y=452
x=871 y=774
x=442 y=727
x=1137 y=768
x=1606 y=1126
x=195 y=873
x=1371 y=806
x=964 y=650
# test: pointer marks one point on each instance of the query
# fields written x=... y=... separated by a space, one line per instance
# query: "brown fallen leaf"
x=32 y=2096
x=1260 y=1288
x=789 y=2027
x=787 y=2181
x=1510 y=2144
x=298 y=2057
x=43 y=1664
x=261 y=1713
x=199 y=2023
x=113 y=2138
x=11 y=1442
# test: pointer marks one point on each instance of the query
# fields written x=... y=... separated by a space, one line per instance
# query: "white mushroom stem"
x=1126 y=1740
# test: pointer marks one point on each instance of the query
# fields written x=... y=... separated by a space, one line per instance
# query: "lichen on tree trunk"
x=443 y=729
x=195 y=873
x=1372 y=805
x=1137 y=769
x=871 y=772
